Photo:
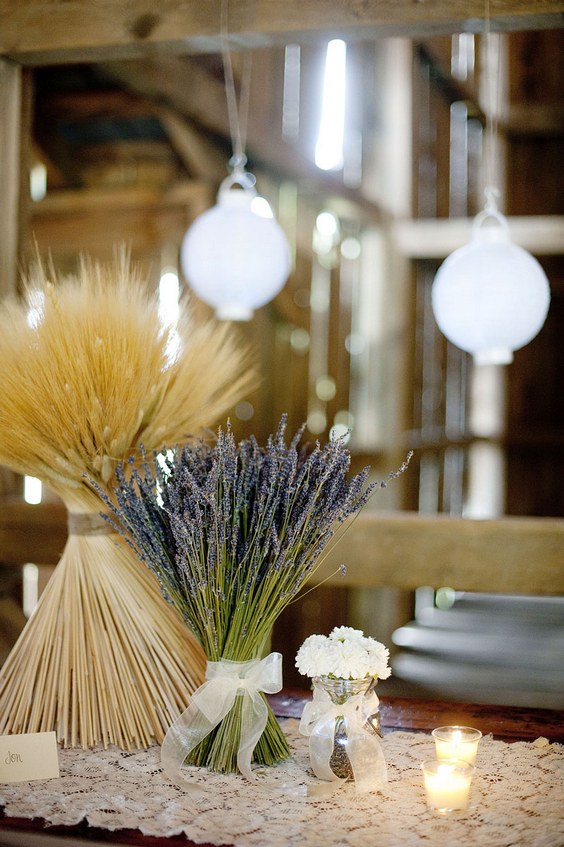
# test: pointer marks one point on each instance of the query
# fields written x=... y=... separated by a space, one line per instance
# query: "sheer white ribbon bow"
x=362 y=747
x=225 y=680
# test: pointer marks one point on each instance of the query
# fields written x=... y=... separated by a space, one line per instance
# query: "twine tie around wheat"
x=212 y=701
x=88 y=523
x=363 y=748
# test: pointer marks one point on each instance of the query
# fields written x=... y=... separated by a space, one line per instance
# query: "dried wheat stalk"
x=87 y=376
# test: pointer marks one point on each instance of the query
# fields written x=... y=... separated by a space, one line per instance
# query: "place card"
x=31 y=755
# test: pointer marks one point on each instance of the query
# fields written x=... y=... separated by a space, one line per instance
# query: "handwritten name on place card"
x=28 y=756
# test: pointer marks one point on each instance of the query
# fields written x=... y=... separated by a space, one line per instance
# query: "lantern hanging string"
x=491 y=191
x=238 y=113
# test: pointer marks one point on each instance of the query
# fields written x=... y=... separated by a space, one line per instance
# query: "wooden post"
x=10 y=135
x=10 y=143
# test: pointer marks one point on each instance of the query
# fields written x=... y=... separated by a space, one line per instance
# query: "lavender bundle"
x=232 y=533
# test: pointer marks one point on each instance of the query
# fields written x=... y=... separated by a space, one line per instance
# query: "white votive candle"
x=447 y=784
x=457 y=742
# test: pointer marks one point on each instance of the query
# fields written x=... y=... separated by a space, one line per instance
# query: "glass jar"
x=340 y=691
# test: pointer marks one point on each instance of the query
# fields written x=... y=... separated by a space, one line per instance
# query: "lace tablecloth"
x=517 y=799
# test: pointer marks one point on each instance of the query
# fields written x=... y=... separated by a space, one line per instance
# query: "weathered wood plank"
x=199 y=155
x=32 y=533
x=435 y=238
x=401 y=549
x=92 y=29
x=406 y=550
x=66 y=223
x=75 y=201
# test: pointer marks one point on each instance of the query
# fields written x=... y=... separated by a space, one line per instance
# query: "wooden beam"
x=198 y=154
x=38 y=32
x=407 y=550
x=32 y=533
x=436 y=238
x=530 y=119
x=74 y=202
x=66 y=223
x=197 y=95
x=398 y=549
x=94 y=104
x=177 y=83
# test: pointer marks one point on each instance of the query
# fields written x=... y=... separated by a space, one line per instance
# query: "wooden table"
x=504 y=722
x=509 y=723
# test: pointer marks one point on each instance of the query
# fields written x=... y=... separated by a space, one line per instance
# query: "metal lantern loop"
x=491 y=296
x=234 y=259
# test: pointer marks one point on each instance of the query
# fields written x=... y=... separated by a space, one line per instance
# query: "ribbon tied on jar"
x=343 y=742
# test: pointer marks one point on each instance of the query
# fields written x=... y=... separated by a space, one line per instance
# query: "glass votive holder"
x=457 y=742
x=447 y=784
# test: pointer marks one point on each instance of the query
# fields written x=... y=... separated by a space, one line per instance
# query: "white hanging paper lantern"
x=490 y=297
x=234 y=258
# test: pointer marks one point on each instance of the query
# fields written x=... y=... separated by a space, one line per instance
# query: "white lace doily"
x=517 y=798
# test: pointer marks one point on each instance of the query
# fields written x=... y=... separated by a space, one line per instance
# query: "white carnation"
x=312 y=658
x=351 y=660
x=346 y=633
x=378 y=658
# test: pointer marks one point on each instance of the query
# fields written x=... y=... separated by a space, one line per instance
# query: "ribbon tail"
x=191 y=727
x=254 y=717
x=267 y=677
x=367 y=762
x=321 y=743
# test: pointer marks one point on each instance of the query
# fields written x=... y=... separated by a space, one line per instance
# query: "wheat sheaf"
x=88 y=376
